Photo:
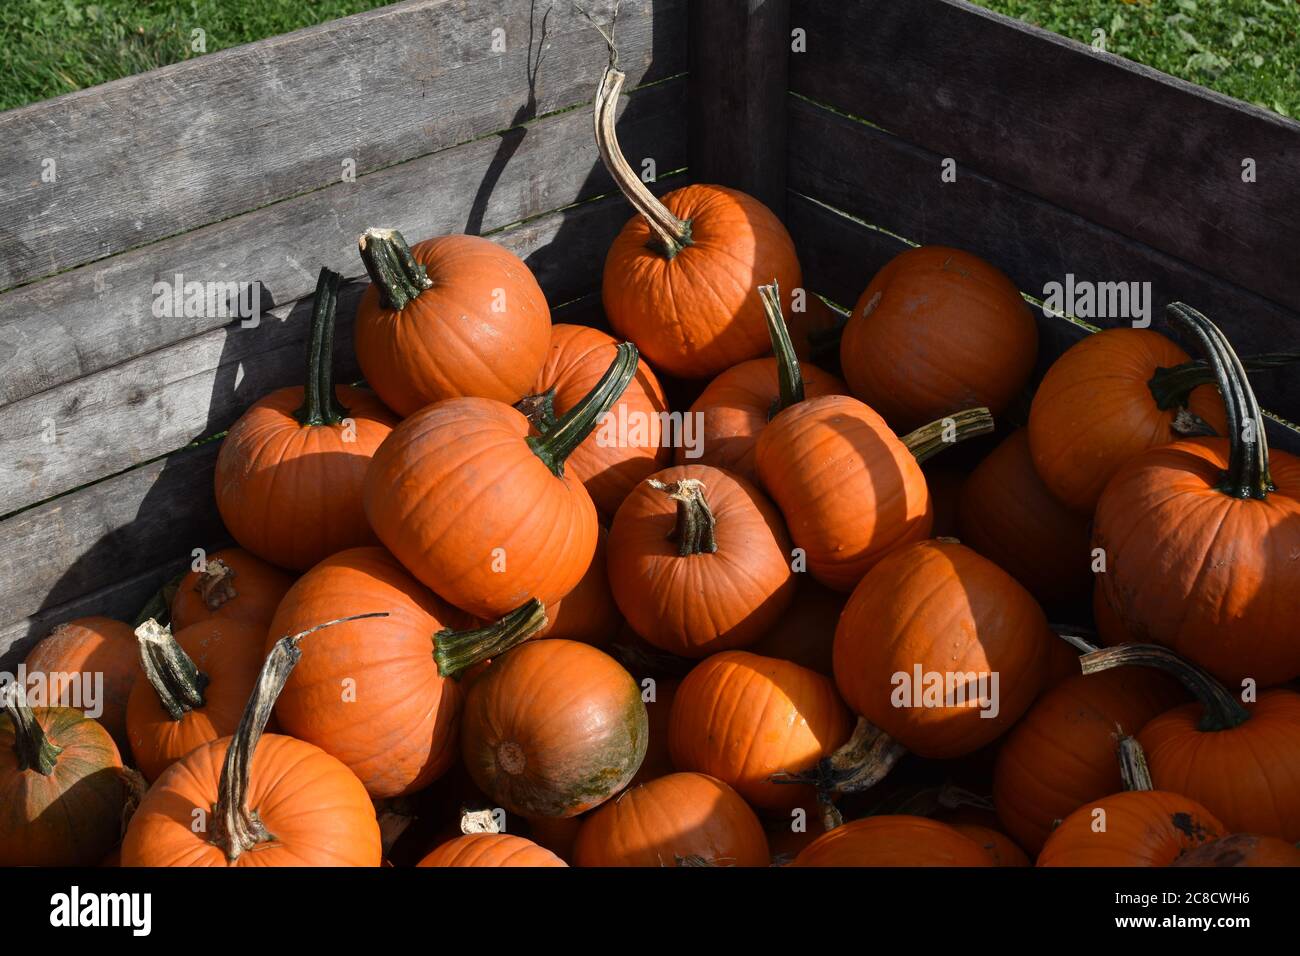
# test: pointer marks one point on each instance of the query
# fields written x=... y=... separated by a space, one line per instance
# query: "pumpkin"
x=588 y=613
x=742 y=718
x=805 y=633
x=1110 y=630
x=1142 y=828
x=679 y=278
x=557 y=834
x=1107 y=399
x=737 y=405
x=937 y=329
x=553 y=728
x=629 y=444
x=231 y=585
x=89 y=650
x=1241 y=762
x=699 y=561
x=1002 y=850
x=482 y=512
x=375 y=693
x=1062 y=752
x=1242 y=849
x=671 y=820
x=850 y=490
x=290 y=471
x=1220 y=521
x=451 y=317
x=1008 y=515
x=491 y=849
x=63 y=790
x=195 y=686
x=894 y=840
x=945 y=484
x=256 y=799
x=658 y=761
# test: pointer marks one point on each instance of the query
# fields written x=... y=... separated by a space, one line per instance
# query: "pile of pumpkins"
x=493 y=610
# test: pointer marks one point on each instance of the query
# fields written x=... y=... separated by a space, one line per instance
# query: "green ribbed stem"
x=789 y=375
x=455 y=651
x=32 y=748
x=928 y=440
x=176 y=679
x=569 y=431
x=320 y=405
x=392 y=267
x=694 y=530
x=1219 y=709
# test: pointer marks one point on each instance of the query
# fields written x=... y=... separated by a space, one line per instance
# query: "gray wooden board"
x=878 y=177
x=839 y=255
x=164 y=152
x=97 y=316
x=1152 y=157
x=108 y=421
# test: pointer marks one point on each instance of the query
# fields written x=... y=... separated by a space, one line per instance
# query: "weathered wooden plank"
x=104 y=423
x=162 y=153
x=97 y=316
x=878 y=177
x=1152 y=157
x=739 y=73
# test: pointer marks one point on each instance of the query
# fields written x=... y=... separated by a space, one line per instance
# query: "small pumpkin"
x=588 y=613
x=1242 y=849
x=658 y=761
x=289 y=473
x=894 y=840
x=679 y=277
x=671 y=821
x=1220 y=519
x=196 y=683
x=491 y=849
x=63 y=791
x=539 y=752
x=1143 y=828
x=938 y=329
x=805 y=633
x=482 y=512
x=699 y=561
x=232 y=585
x=264 y=799
x=88 y=650
x=945 y=483
x=557 y=834
x=451 y=317
x=741 y=718
x=1002 y=850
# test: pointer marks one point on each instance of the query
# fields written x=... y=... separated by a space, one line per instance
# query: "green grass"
x=49 y=47
x=1248 y=49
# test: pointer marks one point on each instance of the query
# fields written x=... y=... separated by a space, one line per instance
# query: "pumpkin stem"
x=1172 y=386
x=456 y=650
x=216 y=585
x=570 y=430
x=320 y=406
x=176 y=679
x=392 y=267
x=928 y=440
x=859 y=764
x=539 y=409
x=1220 y=710
x=672 y=234
x=1248 y=474
x=235 y=825
x=789 y=375
x=31 y=746
x=693 y=531
x=1133 y=769
x=159 y=605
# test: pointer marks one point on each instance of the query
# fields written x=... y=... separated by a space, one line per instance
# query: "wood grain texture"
x=739 y=74
x=164 y=152
x=116 y=418
x=1151 y=157
x=878 y=177
x=97 y=316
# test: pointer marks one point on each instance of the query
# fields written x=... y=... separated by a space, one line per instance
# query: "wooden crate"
x=231 y=166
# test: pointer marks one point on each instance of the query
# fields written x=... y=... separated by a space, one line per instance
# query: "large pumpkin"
x=490 y=849
x=679 y=279
x=451 y=317
x=1217 y=523
x=231 y=585
x=683 y=818
x=894 y=840
x=482 y=512
x=89 y=650
x=553 y=728
x=742 y=718
x=629 y=444
x=1140 y=828
x=699 y=561
x=255 y=799
x=289 y=473
x=937 y=329
x=1107 y=399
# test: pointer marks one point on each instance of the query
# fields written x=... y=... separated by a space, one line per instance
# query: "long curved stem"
x=320 y=405
x=392 y=267
x=1220 y=710
x=1172 y=386
x=789 y=375
x=928 y=440
x=694 y=530
x=32 y=748
x=175 y=677
x=576 y=424
x=454 y=651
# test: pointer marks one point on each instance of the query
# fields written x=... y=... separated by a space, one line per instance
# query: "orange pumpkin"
x=452 y=317
x=557 y=834
x=1242 y=849
x=1142 y=828
x=658 y=761
x=491 y=849
x=894 y=840
x=680 y=819
x=588 y=613
x=480 y=511
x=936 y=330
x=679 y=279
x=232 y=585
x=289 y=473
x=1002 y=850
x=805 y=633
x=699 y=561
